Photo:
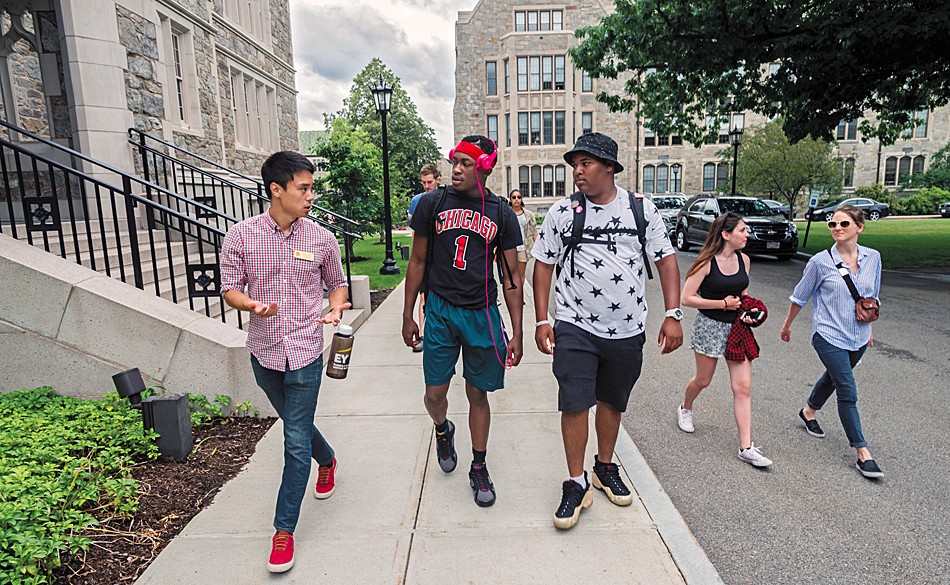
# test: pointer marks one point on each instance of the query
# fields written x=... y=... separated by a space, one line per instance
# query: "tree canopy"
x=411 y=141
x=688 y=63
x=770 y=165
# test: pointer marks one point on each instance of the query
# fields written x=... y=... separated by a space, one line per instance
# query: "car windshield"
x=669 y=202
x=745 y=207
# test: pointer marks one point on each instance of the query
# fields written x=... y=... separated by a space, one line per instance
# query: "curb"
x=688 y=555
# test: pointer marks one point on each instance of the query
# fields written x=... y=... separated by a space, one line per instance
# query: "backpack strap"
x=500 y=259
x=636 y=206
x=570 y=241
x=846 y=275
x=435 y=219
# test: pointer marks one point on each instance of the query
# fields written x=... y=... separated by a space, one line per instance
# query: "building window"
x=587 y=122
x=522 y=128
x=547 y=73
x=649 y=138
x=559 y=127
x=535 y=128
x=559 y=72
x=918 y=164
x=662 y=173
x=522 y=74
x=507 y=77
x=549 y=181
x=181 y=108
x=715 y=177
x=493 y=127
x=253 y=16
x=559 y=181
x=536 y=181
x=254 y=108
x=491 y=77
x=847 y=172
x=890 y=171
x=179 y=76
x=918 y=128
x=649 y=176
x=548 y=127
x=848 y=130
x=738 y=121
x=587 y=84
x=523 y=181
x=538 y=20
x=507 y=129
x=676 y=180
x=898 y=170
x=535 y=73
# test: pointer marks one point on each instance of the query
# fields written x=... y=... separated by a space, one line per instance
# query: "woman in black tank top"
x=714 y=283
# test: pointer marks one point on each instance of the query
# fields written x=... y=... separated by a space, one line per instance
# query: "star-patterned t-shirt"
x=606 y=296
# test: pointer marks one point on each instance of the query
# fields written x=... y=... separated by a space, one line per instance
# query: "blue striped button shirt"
x=833 y=315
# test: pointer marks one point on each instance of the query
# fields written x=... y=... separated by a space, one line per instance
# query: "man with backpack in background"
x=458 y=231
x=600 y=240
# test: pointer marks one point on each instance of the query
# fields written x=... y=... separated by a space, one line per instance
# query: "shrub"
x=923 y=202
x=875 y=192
x=62 y=460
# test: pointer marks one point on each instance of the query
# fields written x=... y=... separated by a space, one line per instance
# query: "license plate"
x=772 y=245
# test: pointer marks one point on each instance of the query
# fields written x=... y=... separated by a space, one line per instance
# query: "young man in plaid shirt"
x=277 y=266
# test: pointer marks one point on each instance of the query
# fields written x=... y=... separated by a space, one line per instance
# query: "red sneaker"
x=325 y=481
x=281 y=552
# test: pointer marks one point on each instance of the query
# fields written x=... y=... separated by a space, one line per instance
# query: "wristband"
x=542 y=322
x=725 y=305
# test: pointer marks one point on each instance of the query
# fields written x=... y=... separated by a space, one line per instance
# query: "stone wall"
x=143 y=89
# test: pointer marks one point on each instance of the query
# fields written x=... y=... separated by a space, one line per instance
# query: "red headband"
x=468 y=148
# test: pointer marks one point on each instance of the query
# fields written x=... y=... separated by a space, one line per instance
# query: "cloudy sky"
x=335 y=39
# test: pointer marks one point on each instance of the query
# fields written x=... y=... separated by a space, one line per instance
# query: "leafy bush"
x=875 y=192
x=61 y=461
x=923 y=202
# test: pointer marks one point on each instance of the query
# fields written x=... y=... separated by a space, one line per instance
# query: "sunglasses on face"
x=516 y=198
x=843 y=224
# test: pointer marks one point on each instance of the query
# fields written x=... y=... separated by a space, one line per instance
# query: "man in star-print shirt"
x=598 y=334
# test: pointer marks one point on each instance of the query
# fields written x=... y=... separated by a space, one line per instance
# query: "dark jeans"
x=294 y=396
x=839 y=377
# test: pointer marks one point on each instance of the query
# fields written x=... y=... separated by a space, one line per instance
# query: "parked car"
x=779 y=207
x=769 y=231
x=669 y=206
x=944 y=209
x=873 y=210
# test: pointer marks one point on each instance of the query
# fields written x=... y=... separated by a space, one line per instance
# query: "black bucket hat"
x=596 y=144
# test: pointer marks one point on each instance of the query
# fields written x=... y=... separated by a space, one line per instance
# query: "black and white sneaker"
x=445 y=448
x=482 y=487
x=607 y=479
x=869 y=469
x=574 y=498
x=811 y=426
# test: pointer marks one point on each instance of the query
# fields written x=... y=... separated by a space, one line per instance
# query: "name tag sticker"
x=308 y=256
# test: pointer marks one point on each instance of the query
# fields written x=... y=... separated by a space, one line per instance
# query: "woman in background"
x=529 y=230
x=837 y=336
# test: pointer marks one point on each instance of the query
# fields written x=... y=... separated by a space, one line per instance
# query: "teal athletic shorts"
x=450 y=329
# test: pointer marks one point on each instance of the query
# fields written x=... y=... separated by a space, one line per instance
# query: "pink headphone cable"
x=491 y=329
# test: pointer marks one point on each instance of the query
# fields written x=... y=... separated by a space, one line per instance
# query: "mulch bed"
x=171 y=494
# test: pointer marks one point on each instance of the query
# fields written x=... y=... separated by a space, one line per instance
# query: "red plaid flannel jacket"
x=741 y=343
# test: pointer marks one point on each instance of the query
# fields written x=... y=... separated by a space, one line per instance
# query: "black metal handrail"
x=193 y=172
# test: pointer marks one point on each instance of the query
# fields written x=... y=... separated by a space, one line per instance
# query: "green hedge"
x=61 y=459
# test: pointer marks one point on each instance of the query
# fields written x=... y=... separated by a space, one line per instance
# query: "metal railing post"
x=133 y=232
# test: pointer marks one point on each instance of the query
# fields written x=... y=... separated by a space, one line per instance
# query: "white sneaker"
x=754 y=457
x=684 y=418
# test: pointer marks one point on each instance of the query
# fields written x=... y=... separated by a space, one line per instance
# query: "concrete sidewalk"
x=396 y=518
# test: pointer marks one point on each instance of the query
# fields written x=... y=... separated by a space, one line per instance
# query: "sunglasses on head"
x=843 y=224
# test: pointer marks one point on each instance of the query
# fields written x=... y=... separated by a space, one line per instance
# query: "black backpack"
x=571 y=241
x=500 y=260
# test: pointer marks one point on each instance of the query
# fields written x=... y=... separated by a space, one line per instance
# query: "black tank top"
x=717 y=286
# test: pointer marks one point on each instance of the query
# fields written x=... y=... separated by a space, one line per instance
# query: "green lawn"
x=370 y=248
x=903 y=243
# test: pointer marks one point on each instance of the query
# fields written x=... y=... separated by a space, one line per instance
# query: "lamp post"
x=675 y=168
x=382 y=94
x=736 y=138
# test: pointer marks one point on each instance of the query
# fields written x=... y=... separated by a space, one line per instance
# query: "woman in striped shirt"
x=837 y=336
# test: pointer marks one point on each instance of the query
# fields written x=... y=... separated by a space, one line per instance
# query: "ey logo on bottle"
x=341 y=359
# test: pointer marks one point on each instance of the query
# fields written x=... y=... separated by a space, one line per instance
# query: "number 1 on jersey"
x=461 y=243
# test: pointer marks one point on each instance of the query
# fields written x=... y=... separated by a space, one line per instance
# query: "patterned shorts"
x=709 y=336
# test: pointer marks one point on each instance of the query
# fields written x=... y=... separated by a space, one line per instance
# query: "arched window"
x=709 y=177
x=848 y=172
x=890 y=170
x=649 y=172
x=536 y=181
x=903 y=169
x=524 y=181
x=918 y=164
x=559 y=181
x=548 y=181
x=662 y=173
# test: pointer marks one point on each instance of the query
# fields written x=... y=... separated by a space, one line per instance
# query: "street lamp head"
x=735 y=136
x=676 y=168
x=383 y=94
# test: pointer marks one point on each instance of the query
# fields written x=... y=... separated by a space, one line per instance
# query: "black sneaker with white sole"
x=607 y=479
x=482 y=487
x=445 y=448
x=869 y=469
x=574 y=498
x=811 y=426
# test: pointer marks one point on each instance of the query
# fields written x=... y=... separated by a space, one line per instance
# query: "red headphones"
x=482 y=161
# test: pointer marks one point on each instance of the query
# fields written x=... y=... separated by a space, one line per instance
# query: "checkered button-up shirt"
x=294 y=271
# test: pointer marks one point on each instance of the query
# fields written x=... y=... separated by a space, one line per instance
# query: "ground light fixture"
x=169 y=415
x=383 y=95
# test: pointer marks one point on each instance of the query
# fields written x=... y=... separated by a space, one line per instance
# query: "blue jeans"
x=293 y=395
x=839 y=377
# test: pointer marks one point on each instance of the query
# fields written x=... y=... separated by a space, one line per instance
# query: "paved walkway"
x=396 y=518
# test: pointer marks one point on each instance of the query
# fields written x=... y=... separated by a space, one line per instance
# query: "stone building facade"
x=516 y=84
x=213 y=76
